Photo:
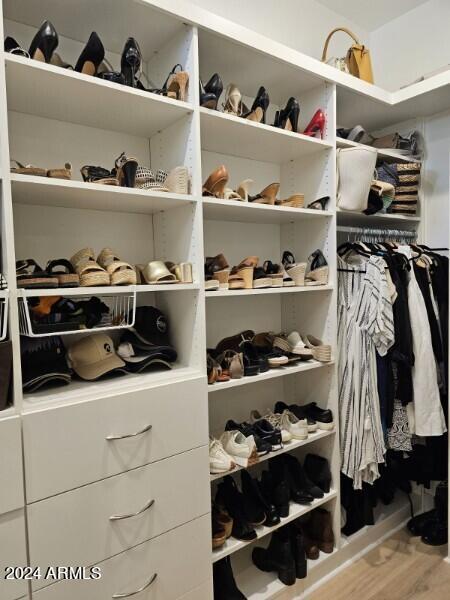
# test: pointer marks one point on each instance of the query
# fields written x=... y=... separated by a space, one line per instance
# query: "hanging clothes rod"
x=379 y=231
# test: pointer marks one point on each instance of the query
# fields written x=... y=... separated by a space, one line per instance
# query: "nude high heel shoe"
x=233 y=101
x=267 y=196
x=216 y=182
x=243 y=189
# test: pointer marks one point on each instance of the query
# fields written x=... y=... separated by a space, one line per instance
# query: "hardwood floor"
x=402 y=568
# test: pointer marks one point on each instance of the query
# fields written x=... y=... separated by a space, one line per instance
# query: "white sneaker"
x=274 y=420
x=241 y=449
x=219 y=460
x=298 y=428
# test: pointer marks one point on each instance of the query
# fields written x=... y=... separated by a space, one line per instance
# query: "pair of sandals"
x=59 y=173
x=57 y=273
x=123 y=174
x=312 y=273
x=218 y=274
x=108 y=269
x=158 y=272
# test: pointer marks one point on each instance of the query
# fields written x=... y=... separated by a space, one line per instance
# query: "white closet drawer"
x=181 y=558
x=11 y=473
x=66 y=447
x=13 y=553
x=203 y=592
x=75 y=528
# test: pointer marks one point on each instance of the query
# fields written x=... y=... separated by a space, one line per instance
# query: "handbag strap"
x=330 y=35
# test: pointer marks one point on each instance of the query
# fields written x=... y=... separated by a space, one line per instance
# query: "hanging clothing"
x=425 y=414
x=365 y=326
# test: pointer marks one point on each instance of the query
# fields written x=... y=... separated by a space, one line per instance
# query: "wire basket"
x=4 y=300
x=121 y=315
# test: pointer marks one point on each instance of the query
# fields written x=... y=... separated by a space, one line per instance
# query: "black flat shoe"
x=130 y=62
x=268 y=433
x=92 y=56
x=44 y=43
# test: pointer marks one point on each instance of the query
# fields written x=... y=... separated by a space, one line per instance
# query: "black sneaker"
x=299 y=412
x=265 y=431
x=323 y=417
x=262 y=446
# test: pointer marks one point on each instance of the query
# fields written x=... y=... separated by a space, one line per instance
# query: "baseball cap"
x=137 y=360
x=94 y=356
x=151 y=326
x=43 y=362
x=139 y=347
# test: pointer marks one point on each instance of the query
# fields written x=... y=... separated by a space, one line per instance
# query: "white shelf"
x=273 y=290
x=295 y=511
x=346 y=217
x=270 y=374
x=287 y=447
x=47 y=191
x=82 y=391
x=227 y=134
x=44 y=90
x=249 y=212
x=387 y=155
x=107 y=289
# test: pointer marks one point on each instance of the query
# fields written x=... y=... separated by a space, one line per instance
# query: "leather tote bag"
x=357 y=61
x=355 y=167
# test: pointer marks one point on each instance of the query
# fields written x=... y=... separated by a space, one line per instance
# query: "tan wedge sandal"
x=178 y=83
x=216 y=183
x=267 y=196
x=91 y=274
x=243 y=272
x=321 y=351
x=65 y=173
x=120 y=272
x=218 y=269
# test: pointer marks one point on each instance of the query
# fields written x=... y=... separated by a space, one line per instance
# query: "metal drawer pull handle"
x=139 y=512
x=128 y=435
x=144 y=587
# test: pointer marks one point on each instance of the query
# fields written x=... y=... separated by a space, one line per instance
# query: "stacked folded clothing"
x=405 y=177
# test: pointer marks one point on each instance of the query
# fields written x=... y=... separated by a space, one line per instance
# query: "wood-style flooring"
x=402 y=568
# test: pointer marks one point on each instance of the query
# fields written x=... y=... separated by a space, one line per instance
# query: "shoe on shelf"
x=277 y=557
x=244 y=271
x=225 y=587
x=63 y=270
x=233 y=342
x=298 y=428
x=91 y=57
x=318 y=470
x=13 y=47
x=233 y=104
x=267 y=432
x=217 y=267
x=130 y=62
x=120 y=272
x=242 y=449
x=216 y=183
x=223 y=519
x=303 y=490
x=44 y=43
x=317 y=125
x=317 y=269
x=310 y=546
x=322 y=416
x=298 y=551
x=299 y=412
x=251 y=359
x=229 y=497
x=253 y=493
x=321 y=351
x=266 y=196
x=92 y=174
x=232 y=364
x=320 y=203
x=259 y=107
x=177 y=83
x=287 y=118
x=253 y=506
x=219 y=536
x=91 y=274
x=177 y=181
x=295 y=270
x=275 y=273
x=211 y=92
x=30 y=275
x=275 y=487
x=293 y=201
x=263 y=447
x=298 y=346
x=274 y=420
x=260 y=279
x=126 y=168
x=320 y=530
x=214 y=371
x=219 y=460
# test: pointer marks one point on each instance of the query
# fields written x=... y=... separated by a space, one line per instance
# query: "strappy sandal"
x=214 y=371
x=147 y=180
x=63 y=270
x=175 y=86
x=318 y=270
x=65 y=173
x=156 y=273
x=243 y=272
x=267 y=196
x=260 y=278
x=182 y=271
x=321 y=351
x=28 y=169
x=273 y=271
x=217 y=268
x=232 y=364
x=30 y=275
x=91 y=274
x=126 y=168
x=91 y=174
x=320 y=203
x=296 y=271
x=120 y=272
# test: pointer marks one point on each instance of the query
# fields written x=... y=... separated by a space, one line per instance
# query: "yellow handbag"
x=357 y=62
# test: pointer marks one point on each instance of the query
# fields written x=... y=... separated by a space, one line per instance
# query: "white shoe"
x=241 y=449
x=298 y=428
x=298 y=346
x=274 y=420
x=219 y=460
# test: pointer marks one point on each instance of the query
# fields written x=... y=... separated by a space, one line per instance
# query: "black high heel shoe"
x=211 y=92
x=13 y=47
x=259 y=107
x=92 y=56
x=320 y=203
x=125 y=170
x=287 y=118
x=130 y=62
x=44 y=43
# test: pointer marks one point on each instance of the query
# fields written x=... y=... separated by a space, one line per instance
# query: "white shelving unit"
x=49 y=116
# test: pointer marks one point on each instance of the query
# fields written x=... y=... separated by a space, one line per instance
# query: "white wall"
x=412 y=45
x=300 y=24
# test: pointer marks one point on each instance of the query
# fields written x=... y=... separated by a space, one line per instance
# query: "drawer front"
x=12 y=553
x=181 y=559
x=11 y=472
x=67 y=447
x=75 y=528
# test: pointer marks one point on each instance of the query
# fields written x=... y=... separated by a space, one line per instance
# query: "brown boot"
x=311 y=548
x=320 y=529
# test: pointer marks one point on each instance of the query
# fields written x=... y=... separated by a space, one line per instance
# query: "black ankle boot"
x=277 y=557
x=253 y=495
x=303 y=491
x=298 y=551
x=435 y=533
x=225 y=587
x=277 y=490
x=318 y=471
x=230 y=498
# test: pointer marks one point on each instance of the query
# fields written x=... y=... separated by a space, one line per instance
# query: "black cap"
x=43 y=362
x=151 y=326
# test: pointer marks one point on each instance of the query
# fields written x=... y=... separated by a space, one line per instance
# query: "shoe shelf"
x=4 y=303
x=228 y=134
x=68 y=96
x=287 y=447
x=273 y=290
x=271 y=374
x=386 y=154
x=245 y=212
x=116 y=290
x=295 y=511
x=346 y=217
x=46 y=191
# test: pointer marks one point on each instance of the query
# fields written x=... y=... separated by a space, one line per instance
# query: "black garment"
x=425 y=287
x=5 y=373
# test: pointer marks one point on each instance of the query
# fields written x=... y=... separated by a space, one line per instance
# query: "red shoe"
x=317 y=124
